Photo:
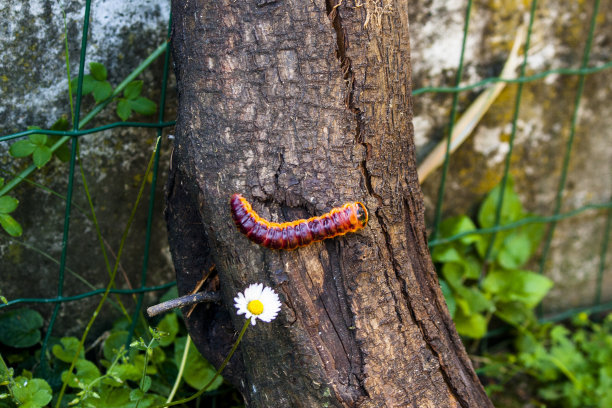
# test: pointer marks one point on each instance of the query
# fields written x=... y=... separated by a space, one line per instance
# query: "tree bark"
x=302 y=106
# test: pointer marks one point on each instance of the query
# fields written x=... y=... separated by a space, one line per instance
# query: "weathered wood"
x=302 y=106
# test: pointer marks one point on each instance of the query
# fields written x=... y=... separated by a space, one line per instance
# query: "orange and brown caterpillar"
x=290 y=235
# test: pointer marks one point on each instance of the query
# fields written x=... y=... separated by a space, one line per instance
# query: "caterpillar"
x=290 y=235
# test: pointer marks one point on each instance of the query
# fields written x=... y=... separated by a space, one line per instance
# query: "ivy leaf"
x=446 y=253
x=32 y=393
x=113 y=343
x=525 y=287
x=511 y=209
x=123 y=109
x=8 y=204
x=133 y=89
x=124 y=372
x=102 y=90
x=169 y=324
x=474 y=325
x=515 y=251
x=98 y=71
x=20 y=327
x=41 y=155
x=453 y=273
x=143 y=106
x=514 y=313
x=86 y=372
x=22 y=148
x=198 y=372
x=10 y=225
x=458 y=225
x=66 y=351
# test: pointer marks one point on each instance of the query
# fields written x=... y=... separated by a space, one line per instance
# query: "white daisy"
x=258 y=302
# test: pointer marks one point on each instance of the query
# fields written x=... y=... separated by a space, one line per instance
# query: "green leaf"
x=132 y=90
x=473 y=300
x=146 y=383
x=8 y=204
x=41 y=156
x=125 y=372
x=62 y=152
x=113 y=344
x=198 y=372
x=453 y=273
x=535 y=232
x=123 y=109
x=457 y=225
x=516 y=251
x=89 y=83
x=473 y=326
x=514 y=313
x=102 y=91
x=483 y=245
x=98 y=71
x=67 y=349
x=511 y=210
x=446 y=253
x=20 y=327
x=525 y=287
x=169 y=325
x=169 y=295
x=136 y=394
x=22 y=148
x=10 y=225
x=448 y=296
x=472 y=268
x=86 y=372
x=38 y=139
x=111 y=397
x=32 y=393
x=143 y=106
x=61 y=124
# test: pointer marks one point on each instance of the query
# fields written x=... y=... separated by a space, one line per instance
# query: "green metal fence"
x=77 y=132
x=582 y=72
x=73 y=137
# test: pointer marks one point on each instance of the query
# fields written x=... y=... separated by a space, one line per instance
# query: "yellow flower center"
x=255 y=307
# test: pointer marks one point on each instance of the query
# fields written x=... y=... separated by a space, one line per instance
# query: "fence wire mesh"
x=555 y=216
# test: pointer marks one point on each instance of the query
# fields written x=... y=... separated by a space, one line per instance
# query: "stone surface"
x=34 y=88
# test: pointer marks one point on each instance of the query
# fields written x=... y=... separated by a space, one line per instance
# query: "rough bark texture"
x=302 y=106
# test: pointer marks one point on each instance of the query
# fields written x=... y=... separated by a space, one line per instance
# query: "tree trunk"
x=302 y=106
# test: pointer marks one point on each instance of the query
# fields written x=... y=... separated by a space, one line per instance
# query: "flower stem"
x=218 y=373
x=179 y=376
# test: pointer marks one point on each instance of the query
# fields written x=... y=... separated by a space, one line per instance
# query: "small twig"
x=198 y=287
x=183 y=301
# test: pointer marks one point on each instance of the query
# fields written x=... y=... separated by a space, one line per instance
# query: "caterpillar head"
x=362 y=214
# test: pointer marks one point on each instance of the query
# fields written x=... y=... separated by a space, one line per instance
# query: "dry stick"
x=475 y=112
x=198 y=286
x=183 y=301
